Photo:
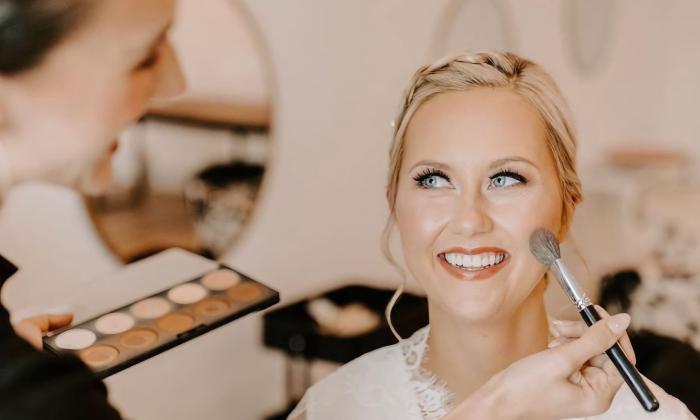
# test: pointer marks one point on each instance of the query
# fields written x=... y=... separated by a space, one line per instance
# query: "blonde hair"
x=489 y=69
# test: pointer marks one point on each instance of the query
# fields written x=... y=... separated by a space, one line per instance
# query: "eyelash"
x=427 y=173
x=422 y=176
x=511 y=174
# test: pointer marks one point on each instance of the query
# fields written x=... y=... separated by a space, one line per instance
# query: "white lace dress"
x=389 y=383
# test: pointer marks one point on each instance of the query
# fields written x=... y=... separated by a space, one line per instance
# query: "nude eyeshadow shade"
x=187 y=293
x=114 y=323
x=221 y=280
x=138 y=338
x=125 y=336
x=175 y=322
x=150 y=308
x=210 y=307
x=99 y=355
x=244 y=292
x=76 y=339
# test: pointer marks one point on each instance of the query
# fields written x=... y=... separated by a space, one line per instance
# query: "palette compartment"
x=127 y=335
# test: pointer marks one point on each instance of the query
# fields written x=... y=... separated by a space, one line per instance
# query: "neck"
x=466 y=355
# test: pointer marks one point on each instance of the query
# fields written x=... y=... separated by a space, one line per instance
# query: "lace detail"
x=432 y=394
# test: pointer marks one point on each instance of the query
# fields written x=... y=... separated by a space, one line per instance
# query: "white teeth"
x=467 y=261
x=452 y=259
x=474 y=262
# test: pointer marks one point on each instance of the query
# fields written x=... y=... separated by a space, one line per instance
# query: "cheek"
x=524 y=213
x=518 y=218
x=420 y=219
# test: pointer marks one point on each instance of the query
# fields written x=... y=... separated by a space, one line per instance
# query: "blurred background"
x=275 y=161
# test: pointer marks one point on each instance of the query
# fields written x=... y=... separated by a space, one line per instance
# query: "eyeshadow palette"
x=121 y=338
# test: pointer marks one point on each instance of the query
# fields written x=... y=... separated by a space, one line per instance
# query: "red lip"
x=462 y=274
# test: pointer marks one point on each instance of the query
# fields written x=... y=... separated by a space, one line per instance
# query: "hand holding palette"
x=128 y=335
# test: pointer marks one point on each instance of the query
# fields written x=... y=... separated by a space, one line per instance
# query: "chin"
x=472 y=307
x=96 y=181
x=91 y=179
x=480 y=302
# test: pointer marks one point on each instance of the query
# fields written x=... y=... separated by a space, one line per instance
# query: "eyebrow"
x=493 y=165
x=501 y=162
x=434 y=163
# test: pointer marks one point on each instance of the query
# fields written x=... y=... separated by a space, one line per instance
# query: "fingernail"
x=619 y=323
x=563 y=322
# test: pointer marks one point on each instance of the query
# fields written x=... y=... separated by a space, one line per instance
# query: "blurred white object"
x=343 y=321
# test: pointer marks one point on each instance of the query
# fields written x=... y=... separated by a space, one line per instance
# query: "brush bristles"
x=544 y=246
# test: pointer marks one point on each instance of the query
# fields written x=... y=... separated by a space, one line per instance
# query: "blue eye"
x=507 y=179
x=432 y=178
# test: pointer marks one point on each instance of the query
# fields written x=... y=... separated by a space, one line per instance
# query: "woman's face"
x=476 y=180
x=61 y=119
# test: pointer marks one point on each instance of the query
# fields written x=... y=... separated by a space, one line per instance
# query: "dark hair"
x=30 y=28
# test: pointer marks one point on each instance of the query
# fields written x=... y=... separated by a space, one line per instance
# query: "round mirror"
x=589 y=28
x=472 y=25
x=188 y=174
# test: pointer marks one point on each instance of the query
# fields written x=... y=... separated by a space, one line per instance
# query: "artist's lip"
x=473 y=274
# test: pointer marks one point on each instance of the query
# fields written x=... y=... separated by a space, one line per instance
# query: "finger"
x=594 y=341
x=30 y=332
x=573 y=329
x=576 y=377
x=41 y=322
x=558 y=342
x=603 y=385
x=624 y=341
x=57 y=321
x=609 y=368
x=47 y=322
x=599 y=361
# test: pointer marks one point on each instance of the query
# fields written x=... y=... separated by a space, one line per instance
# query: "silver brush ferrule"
x=570 y=285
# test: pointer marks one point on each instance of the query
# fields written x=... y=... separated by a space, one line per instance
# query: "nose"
x=170 y=80
x=471 y=216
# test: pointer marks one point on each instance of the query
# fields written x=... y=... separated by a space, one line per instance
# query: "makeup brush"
x=545 y=247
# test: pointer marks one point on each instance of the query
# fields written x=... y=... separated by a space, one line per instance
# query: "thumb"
x=596 y=340
x=57 y=321
x=49 y=322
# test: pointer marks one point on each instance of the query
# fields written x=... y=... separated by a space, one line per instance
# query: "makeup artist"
x=73 y=74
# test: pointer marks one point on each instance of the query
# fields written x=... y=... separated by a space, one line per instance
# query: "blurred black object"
x=222 y=199
x=217 y=178
x=670 y=363
x=292 y=330
x=617 y=289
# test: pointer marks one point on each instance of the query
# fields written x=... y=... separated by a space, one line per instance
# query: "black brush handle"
x=624 y=366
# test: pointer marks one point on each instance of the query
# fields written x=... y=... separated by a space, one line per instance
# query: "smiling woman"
x=483 y=155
